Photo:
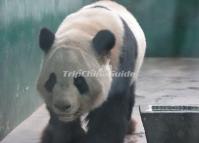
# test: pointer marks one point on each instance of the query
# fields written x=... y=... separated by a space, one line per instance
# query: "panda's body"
x=103 y=35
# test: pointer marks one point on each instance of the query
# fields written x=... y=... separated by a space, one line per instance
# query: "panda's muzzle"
x=67 y=117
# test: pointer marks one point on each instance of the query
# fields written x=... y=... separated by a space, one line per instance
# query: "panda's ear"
x=46 y=39
x=103 y=42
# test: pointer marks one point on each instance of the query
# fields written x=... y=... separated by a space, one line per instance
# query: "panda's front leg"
x=109 y=123
x=62 y=132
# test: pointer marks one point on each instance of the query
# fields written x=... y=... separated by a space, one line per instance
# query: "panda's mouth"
x=69 y=117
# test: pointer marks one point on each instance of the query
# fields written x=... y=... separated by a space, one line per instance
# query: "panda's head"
x=70 y=96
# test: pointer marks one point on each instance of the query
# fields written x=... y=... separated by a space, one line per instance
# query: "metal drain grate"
x=175 y=108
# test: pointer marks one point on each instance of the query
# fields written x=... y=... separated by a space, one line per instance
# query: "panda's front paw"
x=62 y=132
x=47 y=135
x=55 y=133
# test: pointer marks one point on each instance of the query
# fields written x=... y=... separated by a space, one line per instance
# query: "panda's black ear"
x=46 y=39
x=103 y=42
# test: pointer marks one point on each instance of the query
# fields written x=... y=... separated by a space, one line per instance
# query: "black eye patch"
x=50 y=83
x=81 y=84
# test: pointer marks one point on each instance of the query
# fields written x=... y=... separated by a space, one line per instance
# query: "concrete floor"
x=166 y=81
x=162 y=81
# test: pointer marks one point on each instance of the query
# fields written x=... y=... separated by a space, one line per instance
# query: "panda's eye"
x=81 y=84
x=50 y=83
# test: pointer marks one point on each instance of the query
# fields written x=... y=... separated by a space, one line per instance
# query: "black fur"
x=103 y=42
x=46 y=39
x=61 y=132
x=50 y=83
x=81 y=84
x=99 y=6
x=131 y=95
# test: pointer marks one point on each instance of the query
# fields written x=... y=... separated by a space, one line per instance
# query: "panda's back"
x=90 y=20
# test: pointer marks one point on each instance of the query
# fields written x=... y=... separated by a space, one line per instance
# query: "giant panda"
x=102 y=35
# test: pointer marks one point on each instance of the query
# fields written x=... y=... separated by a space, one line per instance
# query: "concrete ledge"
x=29 y=131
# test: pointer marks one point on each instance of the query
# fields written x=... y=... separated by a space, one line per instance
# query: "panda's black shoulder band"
x=126 y=63
x=129 y=42
x=100 y=6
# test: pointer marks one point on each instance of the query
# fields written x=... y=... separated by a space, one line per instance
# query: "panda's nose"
x=61 y=106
